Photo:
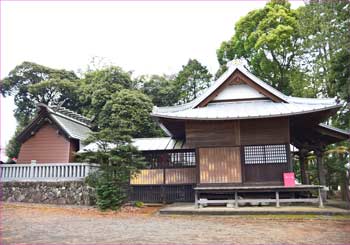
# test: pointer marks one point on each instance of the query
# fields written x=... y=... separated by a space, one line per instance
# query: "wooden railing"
x=45 y=172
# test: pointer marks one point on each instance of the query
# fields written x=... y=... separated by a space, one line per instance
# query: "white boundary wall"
x=45 y=171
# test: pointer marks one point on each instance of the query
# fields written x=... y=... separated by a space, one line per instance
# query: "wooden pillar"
x=321 y=172
x=164 y=199
x=277 y=199
x=320 y=198
x=347 y=191
x=290 y=158
x=236 y=199
x=303 y=166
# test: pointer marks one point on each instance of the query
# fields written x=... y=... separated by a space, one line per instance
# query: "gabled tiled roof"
x=73 y=129
x=74 y=125
x=71 y=115
x=244 y=109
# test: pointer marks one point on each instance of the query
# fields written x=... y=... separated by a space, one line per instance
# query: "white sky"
x=145 y=37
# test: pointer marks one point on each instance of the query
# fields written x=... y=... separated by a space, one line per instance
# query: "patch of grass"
x=298 y=216
x=139 y=204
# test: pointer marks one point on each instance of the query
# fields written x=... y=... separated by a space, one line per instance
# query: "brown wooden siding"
x=180 y=176
x=265 y=172
x=264 y=131
x=46 y=146
x=220 y=165
x=212 y=133
x=172 y=176
x=148 y=177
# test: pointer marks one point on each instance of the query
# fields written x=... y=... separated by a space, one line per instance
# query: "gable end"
x=238 y=78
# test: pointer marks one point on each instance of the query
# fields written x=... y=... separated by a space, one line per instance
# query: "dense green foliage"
x=181 y=88
x=128 y=112
x=97 y=87
x=325 y=41
x=161 y=89
x=118 y=160
x=31 y=83
x=192 y=80
x=268 y=40
x=13 y=147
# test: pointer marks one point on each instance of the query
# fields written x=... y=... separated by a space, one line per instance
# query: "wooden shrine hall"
x=233 y=142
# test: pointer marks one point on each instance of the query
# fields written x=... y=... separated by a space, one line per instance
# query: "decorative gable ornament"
x=236 y=62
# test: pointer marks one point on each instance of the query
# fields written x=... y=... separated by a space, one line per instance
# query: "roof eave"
x=21 y=137
x=345 y=135
x=247 y=117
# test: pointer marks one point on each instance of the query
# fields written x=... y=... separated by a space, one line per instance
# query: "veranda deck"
x=235 y=190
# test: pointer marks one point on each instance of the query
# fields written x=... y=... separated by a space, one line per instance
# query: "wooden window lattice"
x=265 y=154
x=171 y=159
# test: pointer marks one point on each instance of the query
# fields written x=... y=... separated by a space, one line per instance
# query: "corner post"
x=195 y=199
x=303 y=166
x=321 y=173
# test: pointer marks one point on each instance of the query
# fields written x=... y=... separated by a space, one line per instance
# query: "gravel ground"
x=36 y=223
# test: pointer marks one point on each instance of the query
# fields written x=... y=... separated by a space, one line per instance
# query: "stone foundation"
x=70 y=192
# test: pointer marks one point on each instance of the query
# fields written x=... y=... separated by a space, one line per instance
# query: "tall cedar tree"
x=192 y=80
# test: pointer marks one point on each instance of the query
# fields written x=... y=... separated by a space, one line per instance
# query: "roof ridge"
x=70 y=114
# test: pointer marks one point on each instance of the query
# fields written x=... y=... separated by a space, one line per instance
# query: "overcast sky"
x=144 y=37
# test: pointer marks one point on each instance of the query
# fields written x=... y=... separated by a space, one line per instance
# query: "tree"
x=13 y=146
x=324 y=27
x=128 y=112
x=118 y=161
x=98 y=86
x=336 y=171
x=340 y=74
x=192 y=80
x=31 y=83
x=53 y=91
x=268 y=40
x=161 y=89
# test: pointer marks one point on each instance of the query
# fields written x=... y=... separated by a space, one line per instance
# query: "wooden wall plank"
x=180 y=176
x=265 y=172
x=220 y=165
x=212 y=133
x=172 y=176
x=264 y=131
x=46 y=146
x=148 y=177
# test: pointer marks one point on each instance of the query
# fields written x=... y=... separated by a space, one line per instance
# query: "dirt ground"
x=36 y=223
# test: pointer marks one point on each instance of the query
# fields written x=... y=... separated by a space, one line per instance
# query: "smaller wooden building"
x=54 y=136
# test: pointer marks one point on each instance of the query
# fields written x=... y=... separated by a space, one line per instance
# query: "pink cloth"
x=289 y=179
